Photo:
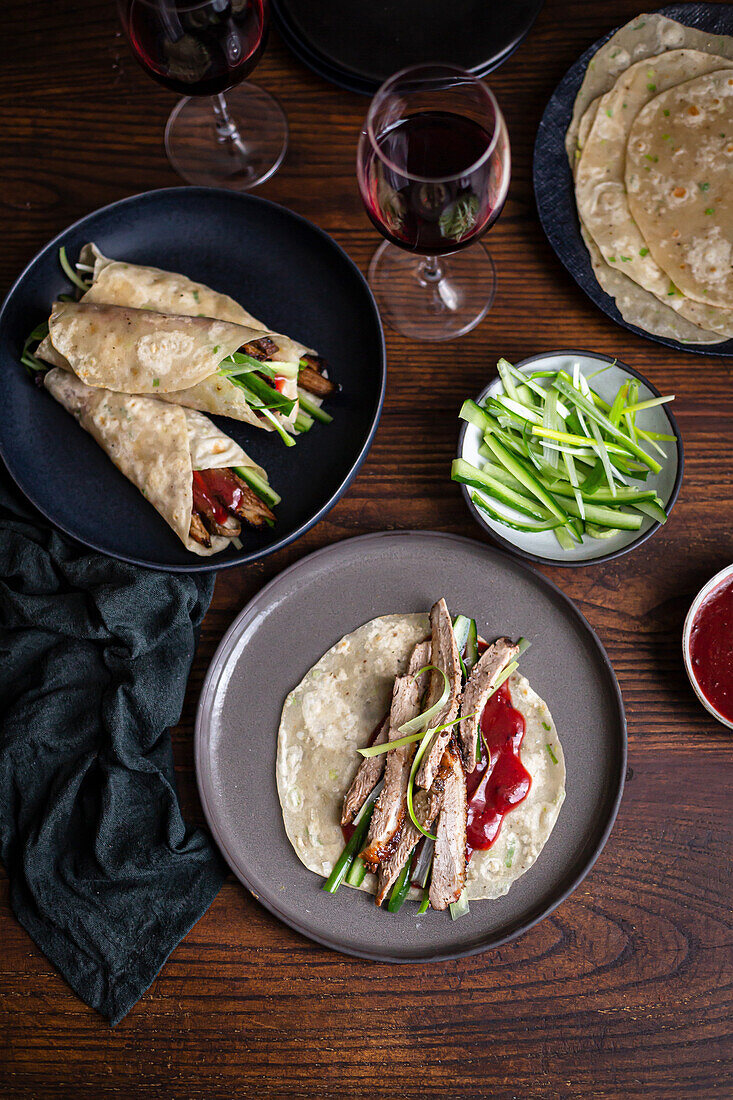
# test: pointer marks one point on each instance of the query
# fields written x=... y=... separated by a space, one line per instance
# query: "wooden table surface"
x=625 y=991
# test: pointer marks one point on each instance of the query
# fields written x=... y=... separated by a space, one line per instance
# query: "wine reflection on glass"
x=433 y=166
x=204 y=49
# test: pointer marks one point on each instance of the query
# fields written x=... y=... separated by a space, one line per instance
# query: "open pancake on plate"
x=483 y=773
x=634 y=180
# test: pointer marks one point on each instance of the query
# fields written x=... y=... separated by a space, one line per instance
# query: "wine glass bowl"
x=433 y=166
x=202 y=49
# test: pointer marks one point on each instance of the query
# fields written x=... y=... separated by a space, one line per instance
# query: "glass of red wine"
x=203 y=49
x=433 y=167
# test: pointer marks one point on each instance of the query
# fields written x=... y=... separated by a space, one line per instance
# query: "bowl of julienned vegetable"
x=569 y=457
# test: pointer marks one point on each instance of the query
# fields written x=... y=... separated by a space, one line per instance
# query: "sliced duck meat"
x=198 y=532
x=370 y=772
x=480 y=685
x=444 y=655
x=420 y=658
x=426 y=805
x=312 y=378
x=389 y=809
x=261 y=349
x=449 y=861
x=228 y=496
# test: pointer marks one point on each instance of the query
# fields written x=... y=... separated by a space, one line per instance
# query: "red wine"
x=423 y=193
x=196 y=47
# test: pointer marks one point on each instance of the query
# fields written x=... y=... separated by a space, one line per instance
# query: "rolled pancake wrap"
x=157 y=447
x=118 y=283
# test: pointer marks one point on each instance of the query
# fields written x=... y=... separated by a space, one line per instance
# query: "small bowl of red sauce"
x=707 y=645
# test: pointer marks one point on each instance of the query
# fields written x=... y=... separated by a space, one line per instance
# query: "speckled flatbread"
x=156 y=446
x=335 y=709
x=679 y=178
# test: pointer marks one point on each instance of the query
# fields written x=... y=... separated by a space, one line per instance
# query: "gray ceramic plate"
x=289 y=625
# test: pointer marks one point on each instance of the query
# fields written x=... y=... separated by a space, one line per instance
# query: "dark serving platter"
x=283 y=269
x=301 y=614
x=553 y=181
x=357 y=45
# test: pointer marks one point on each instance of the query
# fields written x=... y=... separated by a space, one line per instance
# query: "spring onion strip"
x=573 y=440
x=594 y=413
x=356 y=873
x=387 y=746
x=522 y=646
x=421 y=722
x=639 y=406
x=424 y=904
x=427 y=738
x=401 y=888
x=286 y=438
x=69 y=271
x=459 y=908
x=343 y=863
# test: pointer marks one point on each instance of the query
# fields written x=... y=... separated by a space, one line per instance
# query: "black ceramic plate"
x=300 y=615
x=357 y=45
x=553 y=181
x=283 y=269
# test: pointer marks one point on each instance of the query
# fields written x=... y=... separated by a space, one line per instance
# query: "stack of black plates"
x=357 y=45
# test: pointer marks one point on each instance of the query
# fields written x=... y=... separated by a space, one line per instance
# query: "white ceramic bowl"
x=543 y=546
x=702 y=595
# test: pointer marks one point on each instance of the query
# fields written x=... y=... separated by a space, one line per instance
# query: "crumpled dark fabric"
x=104 y=873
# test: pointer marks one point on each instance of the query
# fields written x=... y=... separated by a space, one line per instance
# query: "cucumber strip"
x=572 y=474
x=565 y=540
x=258 y=485
x=343 y=863
x=401 y=888
x=477 y=479
x=475 y=415
x=596 y=532
x=652 y=508
x=470 y=656
x=606 y=517
x=424 y=904
x=525 y=395
x=312 y=409
x=509 y=521
x=594 y=478
x=592 y=411
x=517 y=409
x=505 y=373
x=459 y=908
x=303 y=422
x=625 y=494
x=527 y=479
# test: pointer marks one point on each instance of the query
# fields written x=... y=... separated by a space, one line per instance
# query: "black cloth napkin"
x=94 y=656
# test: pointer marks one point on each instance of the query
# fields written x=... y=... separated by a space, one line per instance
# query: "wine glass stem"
x=226 y=129
x=430 y=269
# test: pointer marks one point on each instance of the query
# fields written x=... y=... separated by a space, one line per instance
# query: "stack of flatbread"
x=651 y=149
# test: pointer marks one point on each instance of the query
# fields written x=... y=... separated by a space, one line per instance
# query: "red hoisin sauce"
x=499 y=782
x=711 y=648
x=215 y=491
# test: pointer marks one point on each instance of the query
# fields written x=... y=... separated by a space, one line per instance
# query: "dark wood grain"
x=626 y=991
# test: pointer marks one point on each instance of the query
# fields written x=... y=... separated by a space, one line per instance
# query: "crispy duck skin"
x=449 y=861
x=444 y=655
x=369 y=773
x=198 y=532
x=477 y=691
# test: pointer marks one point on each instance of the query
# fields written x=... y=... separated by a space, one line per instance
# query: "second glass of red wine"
x=433 y=167
x=223 y=133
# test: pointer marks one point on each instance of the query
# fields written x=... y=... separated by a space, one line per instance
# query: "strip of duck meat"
x=426 y=805
x=445 y=656
x=371 y=768
x=369 y=773
x=476 y=693
x=261 y=349
x=198 y=532
x=312 y=378
x=449 y=861
x=231 y=497
x=391 y=806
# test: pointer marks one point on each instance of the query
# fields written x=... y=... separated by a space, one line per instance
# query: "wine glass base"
x=241 y=156
x=427 y=305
